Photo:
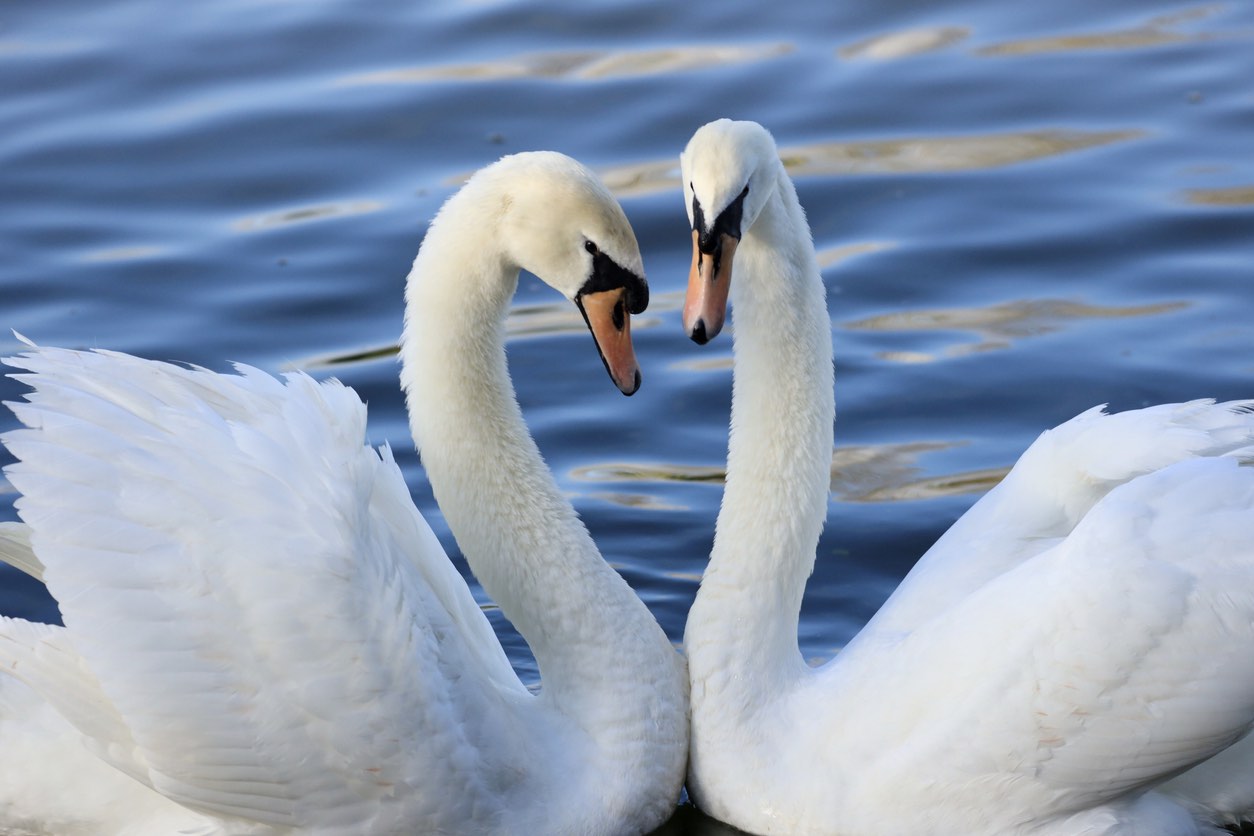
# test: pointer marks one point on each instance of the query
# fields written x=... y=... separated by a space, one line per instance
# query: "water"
x=1023 y=209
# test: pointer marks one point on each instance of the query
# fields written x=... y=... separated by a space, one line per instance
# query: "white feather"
x=15 y=550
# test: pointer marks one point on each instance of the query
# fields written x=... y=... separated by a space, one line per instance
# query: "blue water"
x=1024 y=209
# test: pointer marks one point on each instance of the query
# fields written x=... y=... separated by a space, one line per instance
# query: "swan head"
x=559 y=222
x=729 y=171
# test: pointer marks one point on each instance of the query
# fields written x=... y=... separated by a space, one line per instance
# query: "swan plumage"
x=1079 y=637
x=264 y=636
x=16 y=551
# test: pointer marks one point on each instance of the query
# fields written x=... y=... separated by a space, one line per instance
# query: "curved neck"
x=779 y=452
x=521 y=537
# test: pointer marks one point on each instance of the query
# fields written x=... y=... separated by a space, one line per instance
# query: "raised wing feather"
x=1109 y=662
x=252 y=588
x=15 y=549
x=1057 y=480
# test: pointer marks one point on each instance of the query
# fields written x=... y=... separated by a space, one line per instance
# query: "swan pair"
x=318 y=667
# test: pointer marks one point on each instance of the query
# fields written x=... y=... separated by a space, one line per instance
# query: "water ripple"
x=1157 y=31
x=1231 y=196
x=912 y=155
x=860 y=473
x=831 y=256
x=304 y=214
x=132 y=253
x=577 y=66
x=997 y=326
x=904 y=44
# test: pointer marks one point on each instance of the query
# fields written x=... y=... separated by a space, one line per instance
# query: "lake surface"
x=1023 y=209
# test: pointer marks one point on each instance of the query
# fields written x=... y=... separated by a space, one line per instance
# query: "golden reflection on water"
x=578 y=65
x=304 y=214
x=122 y=253
x=1232 y=196
x=706 y=363
x=915 y=155
x=639 y=501
x=860 y=473
x=1157 y=31
x=831 y=256
x=942 y=154
x=904 y=44
x=998 y=326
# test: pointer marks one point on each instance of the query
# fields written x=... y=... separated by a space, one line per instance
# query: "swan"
x=263 y=635
x=1083 y=633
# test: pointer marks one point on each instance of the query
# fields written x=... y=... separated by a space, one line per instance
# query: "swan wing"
x=45 y=755
x=252 y=589
x=1055 y=483
x=15 y=550
x=1107 y=663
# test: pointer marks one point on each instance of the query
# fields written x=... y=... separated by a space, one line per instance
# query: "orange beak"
x=709 y=280
x=609 y=321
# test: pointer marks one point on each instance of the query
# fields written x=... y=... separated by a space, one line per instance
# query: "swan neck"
x=780 y=444
x=520 y=536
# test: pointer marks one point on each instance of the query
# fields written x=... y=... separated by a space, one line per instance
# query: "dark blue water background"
x=1024 y=209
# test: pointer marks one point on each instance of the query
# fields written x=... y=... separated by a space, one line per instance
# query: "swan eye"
x=745 y=192
x=590 y=247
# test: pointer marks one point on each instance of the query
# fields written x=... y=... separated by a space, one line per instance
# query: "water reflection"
x=831 y=256
x=997 y=326
x=1157 y=31
x=860 y=473
x=912 y=155
x=706 y=363
x=646 y=472
x=639 y=501
x=1232 y=196
x=942 y=154
x=578 y=66
x=904 y=44
x=122 y=253
x=304 y=214
x=891 y=473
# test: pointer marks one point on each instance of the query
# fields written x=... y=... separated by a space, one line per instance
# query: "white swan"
x=263 y=635
x=1085 y=631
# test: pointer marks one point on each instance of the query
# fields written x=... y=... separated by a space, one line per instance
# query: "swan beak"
x=709 y=279
x=608 y=319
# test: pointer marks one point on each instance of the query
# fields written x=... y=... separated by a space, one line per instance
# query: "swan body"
x=1084 y=633
x=262 y=634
